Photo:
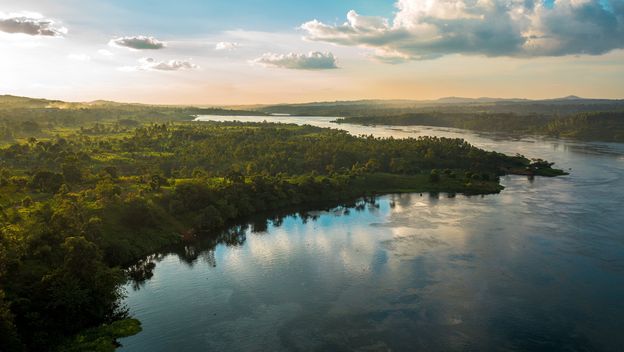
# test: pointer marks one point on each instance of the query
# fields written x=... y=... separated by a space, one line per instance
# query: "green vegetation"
x=102 y=338
x=570 y=117
x=600 y=126
x=82 y=198
x=567 y=106
x=21 y=118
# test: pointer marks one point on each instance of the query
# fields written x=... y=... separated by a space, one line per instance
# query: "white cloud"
x=139 y=42
x=32 y=24
x=79 y=57
x=226 y=46
x=312 y=61
x=517 y=28
x=105 y=52
x=151 y=64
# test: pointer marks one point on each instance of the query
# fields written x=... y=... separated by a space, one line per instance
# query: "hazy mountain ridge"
x=104 y=107
x=24 y=102
x=551 y=107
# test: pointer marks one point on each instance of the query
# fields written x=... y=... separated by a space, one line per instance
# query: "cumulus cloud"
x=516 y=28
x=311 y=61
x=151 y=64
x=139 y=42
x=226 y=46
x=31 y=24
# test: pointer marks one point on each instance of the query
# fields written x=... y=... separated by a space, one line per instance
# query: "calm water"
x=539 y=267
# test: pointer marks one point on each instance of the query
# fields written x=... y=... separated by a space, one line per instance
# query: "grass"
x=102 y=339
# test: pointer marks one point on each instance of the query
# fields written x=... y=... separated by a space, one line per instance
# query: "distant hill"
x=22 y=117
x=16 y=102
x=11 y=102
x=553 y=107
x=23 y=102
x=460 y=100
x=564 y=106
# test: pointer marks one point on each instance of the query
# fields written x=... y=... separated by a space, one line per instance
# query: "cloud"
x=139 y=42
x=312 y=61
x=79 y=57
x=31 y=24
x=226 y=46
x=514 y=28
x=150 y=64
x=105 y=52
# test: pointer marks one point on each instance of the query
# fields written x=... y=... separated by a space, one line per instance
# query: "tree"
x=372 y=165
x=107 y=191
x=137 y=214
x=46 y=181
x=156 y=182
x=27 y=201
x=71 y=173
x=434 y=176
x=9 y=339
x=235 y=176
x=83 y=291
x=112 y=171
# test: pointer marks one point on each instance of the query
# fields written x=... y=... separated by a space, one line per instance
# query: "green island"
x=88 y=190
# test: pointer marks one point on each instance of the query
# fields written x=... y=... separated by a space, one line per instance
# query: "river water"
x=538 y=267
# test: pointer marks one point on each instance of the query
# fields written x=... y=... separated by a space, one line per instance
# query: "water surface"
x=539 y=267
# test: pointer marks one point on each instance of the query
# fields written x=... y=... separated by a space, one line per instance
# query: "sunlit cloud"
x=139 y=42
x=151 y=64
x=226 y=46
x=430 y=29
x=312 y=61
x=31 y=24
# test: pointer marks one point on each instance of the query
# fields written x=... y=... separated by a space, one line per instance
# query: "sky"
x=216 y=52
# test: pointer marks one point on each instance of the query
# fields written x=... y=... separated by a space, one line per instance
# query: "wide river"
x=538 y=267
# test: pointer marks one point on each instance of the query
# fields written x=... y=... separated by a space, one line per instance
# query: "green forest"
x=88 y=190
x=570 y=117
x=594 y=126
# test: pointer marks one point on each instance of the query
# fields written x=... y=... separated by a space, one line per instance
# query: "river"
x=538 y=267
